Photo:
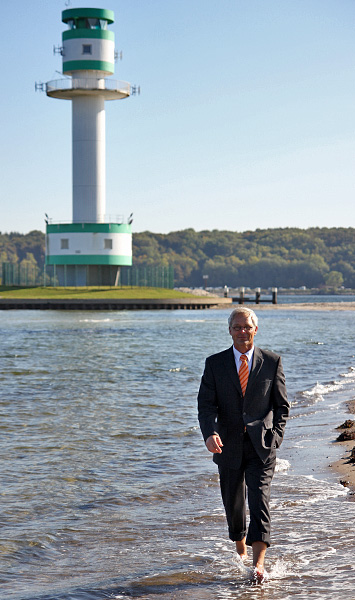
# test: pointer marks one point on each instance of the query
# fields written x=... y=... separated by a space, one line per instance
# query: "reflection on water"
x=107 y=490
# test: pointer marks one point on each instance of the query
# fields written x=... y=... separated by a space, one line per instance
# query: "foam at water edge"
x=95 y=320
x=320 y=389
x=349 y=374
x=282 y=465
x=194 y=320
x=279 y=570
x=242 y=568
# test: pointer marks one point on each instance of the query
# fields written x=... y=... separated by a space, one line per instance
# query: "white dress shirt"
x=248 y=354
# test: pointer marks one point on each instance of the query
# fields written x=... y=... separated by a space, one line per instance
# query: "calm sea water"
x=107 y=490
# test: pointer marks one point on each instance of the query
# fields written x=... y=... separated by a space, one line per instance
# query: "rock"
x=348 y=424
x=352 y=456
x=346 y=436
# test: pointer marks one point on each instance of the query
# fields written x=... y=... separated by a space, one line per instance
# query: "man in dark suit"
x=242 y=409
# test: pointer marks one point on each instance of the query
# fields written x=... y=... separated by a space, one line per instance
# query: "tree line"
x=285 y=257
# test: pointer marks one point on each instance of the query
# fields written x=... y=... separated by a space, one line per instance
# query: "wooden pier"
x=241 y=299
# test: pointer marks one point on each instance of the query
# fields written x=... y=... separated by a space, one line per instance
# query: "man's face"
x=242 y=331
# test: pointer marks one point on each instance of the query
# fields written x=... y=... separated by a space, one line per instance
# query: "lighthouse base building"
x=88 y=254
x=90 y=250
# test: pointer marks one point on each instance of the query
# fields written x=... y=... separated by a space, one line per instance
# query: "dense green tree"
x=287 y=257
x=334 y=279
x=17 y=245
x=29 y=260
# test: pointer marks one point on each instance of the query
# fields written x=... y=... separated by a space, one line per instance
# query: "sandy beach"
x=314 y=306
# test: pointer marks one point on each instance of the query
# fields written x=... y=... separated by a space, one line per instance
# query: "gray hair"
x=243 y=310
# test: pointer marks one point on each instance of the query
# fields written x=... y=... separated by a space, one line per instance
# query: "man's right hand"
x=214 y=444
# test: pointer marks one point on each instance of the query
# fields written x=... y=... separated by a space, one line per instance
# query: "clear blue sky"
x=246 y=117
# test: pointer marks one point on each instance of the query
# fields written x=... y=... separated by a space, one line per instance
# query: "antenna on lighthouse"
x=58 y=50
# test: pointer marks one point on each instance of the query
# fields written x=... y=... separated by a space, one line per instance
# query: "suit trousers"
x=253 y=478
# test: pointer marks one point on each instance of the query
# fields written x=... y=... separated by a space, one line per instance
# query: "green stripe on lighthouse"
x=89 y=227
x=88 y=65
x=102 y=34
x=90 y=13
x=89 y=259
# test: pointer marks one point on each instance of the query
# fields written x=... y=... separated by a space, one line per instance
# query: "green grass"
x=74 y=293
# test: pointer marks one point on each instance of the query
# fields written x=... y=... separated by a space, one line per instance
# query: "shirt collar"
x=238 y=354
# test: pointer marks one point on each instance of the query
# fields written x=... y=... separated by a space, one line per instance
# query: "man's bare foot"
x=259 y=551
x=259 y=575
x=242 y=549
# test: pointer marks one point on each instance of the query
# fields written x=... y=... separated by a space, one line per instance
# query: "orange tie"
x=243 y=373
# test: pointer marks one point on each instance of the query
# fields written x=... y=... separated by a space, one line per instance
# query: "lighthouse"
x=89 y=250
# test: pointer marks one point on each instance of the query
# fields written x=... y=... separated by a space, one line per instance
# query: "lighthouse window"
x=87 y=49
x=94 y=23
x=64 y=244
x=103 y=24
x=108 y=244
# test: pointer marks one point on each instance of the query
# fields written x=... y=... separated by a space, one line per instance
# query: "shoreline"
x=344 y=467
x=327 y=306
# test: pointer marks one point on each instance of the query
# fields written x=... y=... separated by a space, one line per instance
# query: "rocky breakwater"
x=346 y=465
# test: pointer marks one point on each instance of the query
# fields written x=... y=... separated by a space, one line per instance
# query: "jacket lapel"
x=232 y=369
x=256 y=366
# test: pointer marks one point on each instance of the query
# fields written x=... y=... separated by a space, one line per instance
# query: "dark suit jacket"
x=223 y=410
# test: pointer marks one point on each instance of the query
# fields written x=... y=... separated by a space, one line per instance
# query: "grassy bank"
x=99 y=293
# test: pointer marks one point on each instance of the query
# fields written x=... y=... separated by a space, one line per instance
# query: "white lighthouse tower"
x=90 y=249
